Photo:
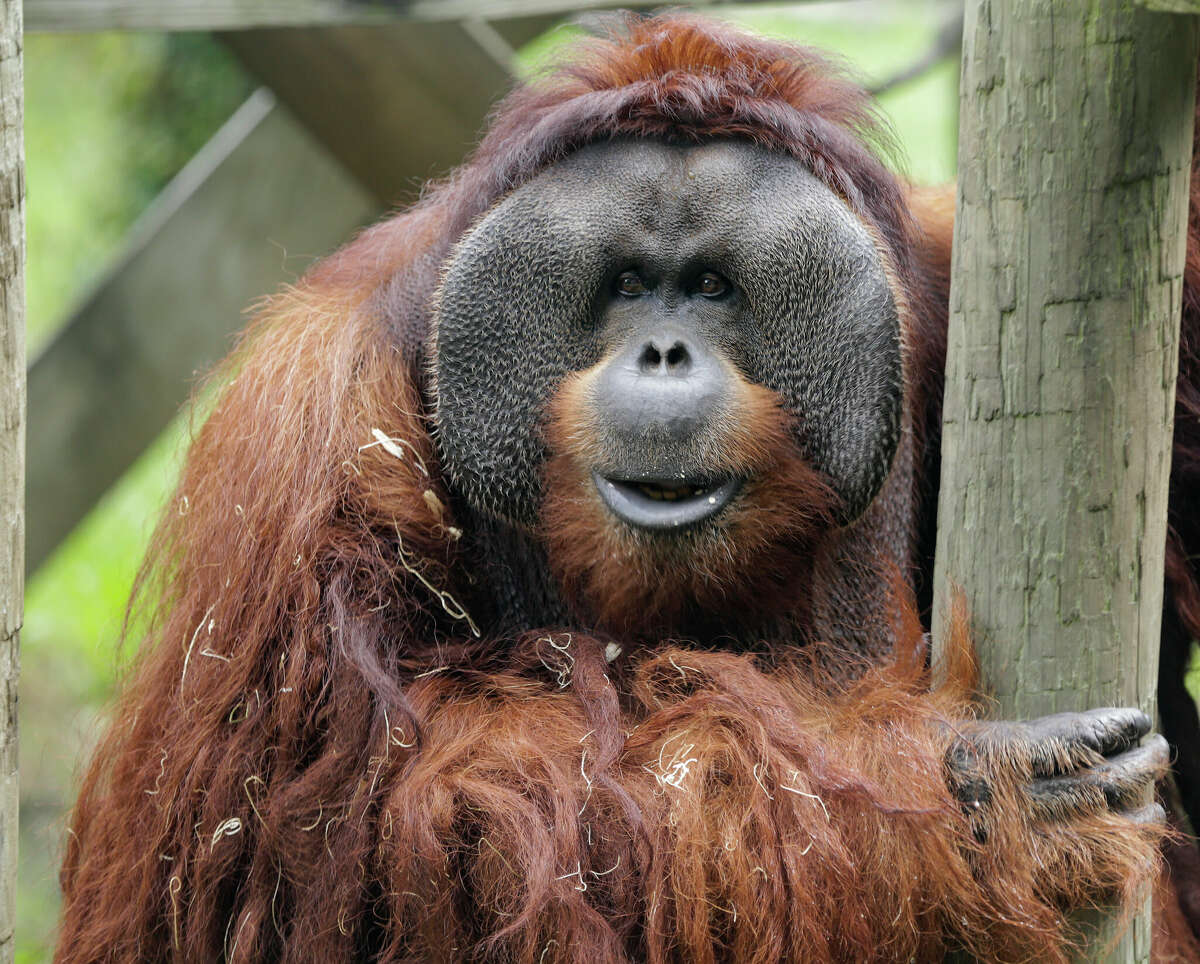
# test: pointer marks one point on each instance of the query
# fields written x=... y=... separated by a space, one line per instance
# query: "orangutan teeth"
x=663 y=493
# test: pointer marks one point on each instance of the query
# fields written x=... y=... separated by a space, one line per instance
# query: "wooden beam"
x=12 y=445
x=251 y=210
x=89 y=15
x=1069 y=249
x=396 y=104
x=1172 y=6
x=518 y=31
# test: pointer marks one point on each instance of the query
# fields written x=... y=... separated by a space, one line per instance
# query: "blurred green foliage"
x=1193 y=676
x=109 y=119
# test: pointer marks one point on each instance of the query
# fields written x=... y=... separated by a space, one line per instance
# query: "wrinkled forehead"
x=716 y=194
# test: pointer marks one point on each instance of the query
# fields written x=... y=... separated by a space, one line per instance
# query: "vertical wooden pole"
x=1074 y=152
x=12 y=443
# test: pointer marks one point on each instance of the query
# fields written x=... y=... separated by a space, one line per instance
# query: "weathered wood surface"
x=12 y=445
x=518 y=31
x=250 y=211
x=396 y=105
x=1074 y=153
x=1172 y=6
x=84 y=15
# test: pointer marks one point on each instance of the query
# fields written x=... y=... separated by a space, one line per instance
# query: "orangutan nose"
x=657 y=359
x=663 y=388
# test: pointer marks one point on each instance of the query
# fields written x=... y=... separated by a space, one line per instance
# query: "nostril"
x=662 y=388
x=650 y=359
x=676 y=361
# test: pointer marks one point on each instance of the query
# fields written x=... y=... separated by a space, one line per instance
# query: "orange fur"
x=642 y=583
x=316 y=758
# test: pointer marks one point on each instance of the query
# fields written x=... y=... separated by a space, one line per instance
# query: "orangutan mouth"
x=660 y=504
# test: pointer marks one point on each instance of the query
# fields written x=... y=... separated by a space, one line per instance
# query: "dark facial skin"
x=736 y=259
x=674 y=276
x=661 y=392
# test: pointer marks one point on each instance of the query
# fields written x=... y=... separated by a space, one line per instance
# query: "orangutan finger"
x=1118 y=783
x=1056 y=740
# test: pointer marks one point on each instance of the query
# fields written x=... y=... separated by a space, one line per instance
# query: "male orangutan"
x=542 y=584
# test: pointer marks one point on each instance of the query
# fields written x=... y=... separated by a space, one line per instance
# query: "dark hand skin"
x=1075 y=764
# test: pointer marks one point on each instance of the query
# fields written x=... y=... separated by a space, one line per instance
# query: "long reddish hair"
x=320 y=755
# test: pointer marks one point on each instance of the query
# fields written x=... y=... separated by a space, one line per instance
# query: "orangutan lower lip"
x=665 y=505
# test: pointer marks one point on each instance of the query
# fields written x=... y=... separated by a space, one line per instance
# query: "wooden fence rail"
x=84 y=15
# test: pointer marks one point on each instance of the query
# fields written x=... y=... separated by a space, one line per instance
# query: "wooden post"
x=12 y=443
x=1074 y=150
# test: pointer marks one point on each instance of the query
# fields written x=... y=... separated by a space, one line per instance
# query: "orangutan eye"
x=711 y=285
x=630 y=284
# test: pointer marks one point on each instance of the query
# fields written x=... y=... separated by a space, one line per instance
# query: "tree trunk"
x=1074 y=152
x=12 y=443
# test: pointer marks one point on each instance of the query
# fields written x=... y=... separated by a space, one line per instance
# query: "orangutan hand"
x=1069 y=765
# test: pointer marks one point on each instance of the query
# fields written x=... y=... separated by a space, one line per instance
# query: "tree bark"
x=12 y=443
x=1074 y=154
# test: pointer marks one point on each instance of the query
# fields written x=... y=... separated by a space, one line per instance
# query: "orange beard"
x=748 y=565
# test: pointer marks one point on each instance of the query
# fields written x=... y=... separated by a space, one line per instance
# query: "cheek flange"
x=503 y=340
